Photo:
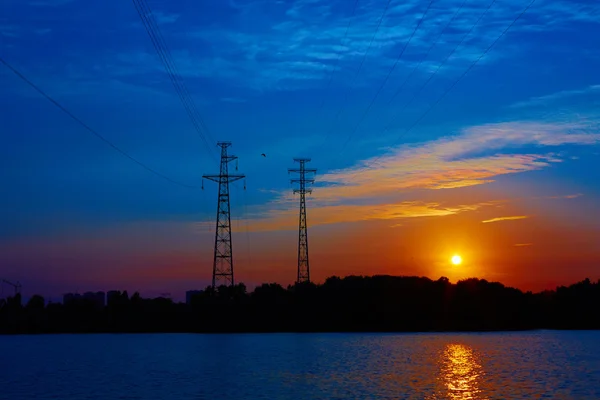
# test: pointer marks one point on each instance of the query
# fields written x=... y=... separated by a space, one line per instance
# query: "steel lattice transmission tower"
x=302 y=181
x=223 y=257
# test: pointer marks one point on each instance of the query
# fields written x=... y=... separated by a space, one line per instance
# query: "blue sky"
x=312 y=78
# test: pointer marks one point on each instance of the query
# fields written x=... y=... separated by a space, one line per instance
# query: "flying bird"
x=264 y=155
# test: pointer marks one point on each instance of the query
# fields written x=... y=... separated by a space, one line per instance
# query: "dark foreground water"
x=546 y=364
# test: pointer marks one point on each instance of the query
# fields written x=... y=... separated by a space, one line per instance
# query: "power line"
x=440 y=65
x=174 y=67
x=387 y=77
x=165 y=54
x=362 y=62
x=458 y=10
x=166 y=58
x=339 y=53
x=387 y=127
x=89 y=129
x=433 y=105
x=432 y=75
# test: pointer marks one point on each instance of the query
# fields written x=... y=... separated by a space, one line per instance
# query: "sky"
x=437 y=128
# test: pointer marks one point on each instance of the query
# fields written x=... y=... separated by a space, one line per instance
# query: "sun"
x=456 y=259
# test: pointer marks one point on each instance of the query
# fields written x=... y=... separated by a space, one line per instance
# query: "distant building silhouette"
x=98 y=298
x=70 y=297
x=190 y=294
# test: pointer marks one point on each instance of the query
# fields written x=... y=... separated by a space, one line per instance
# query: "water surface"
x=544 y=364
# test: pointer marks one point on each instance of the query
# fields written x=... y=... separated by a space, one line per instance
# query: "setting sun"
x=456 y=259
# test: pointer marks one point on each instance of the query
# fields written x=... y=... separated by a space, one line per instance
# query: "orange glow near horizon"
x=552 y=249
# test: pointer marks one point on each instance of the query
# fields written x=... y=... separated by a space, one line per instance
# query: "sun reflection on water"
x=461 y=372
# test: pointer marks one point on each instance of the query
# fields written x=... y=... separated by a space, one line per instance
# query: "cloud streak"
x=554 y=97
x=500 y=219
x=287 y=219
x=296 y=45
x=49 y=3
x=162 y=18
x=296 y=54
x=476 y=156
x=291 y=53
x=569 y=196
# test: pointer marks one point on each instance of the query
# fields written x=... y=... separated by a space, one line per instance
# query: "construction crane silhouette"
x=17 y=286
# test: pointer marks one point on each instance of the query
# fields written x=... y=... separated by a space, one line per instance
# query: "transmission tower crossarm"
x=231 y=178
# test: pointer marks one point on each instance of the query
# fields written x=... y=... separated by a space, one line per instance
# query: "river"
x=550 y=364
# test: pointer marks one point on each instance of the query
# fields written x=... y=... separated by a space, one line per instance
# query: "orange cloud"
x=570 y=196
x=506 y=219
x=288 y=219
x=452 y=162
x=447 y=163
x=523 y=244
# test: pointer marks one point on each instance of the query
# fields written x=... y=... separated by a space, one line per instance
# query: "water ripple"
x=545 y=364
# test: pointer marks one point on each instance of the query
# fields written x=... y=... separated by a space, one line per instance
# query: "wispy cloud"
x=477 y=156
x=499 y=219
x=43 y=31
x=287 y=218
x=299 y=43
x=569 y=196
x=9 y=30
x=233 y=100
x=545 y=100
x=523 y=244
x=49 y=3
x=294 y=54
x=162 y=18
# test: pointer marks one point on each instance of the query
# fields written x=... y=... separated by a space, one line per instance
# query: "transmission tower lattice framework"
x=302 y=181
x=223 y=256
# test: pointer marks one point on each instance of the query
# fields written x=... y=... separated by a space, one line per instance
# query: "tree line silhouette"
x=351 y=304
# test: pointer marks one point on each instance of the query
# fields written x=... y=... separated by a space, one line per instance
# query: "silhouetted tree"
x=36 y=302
x=353 y=303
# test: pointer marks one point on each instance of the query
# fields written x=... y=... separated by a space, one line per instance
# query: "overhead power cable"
x=388 y=126
x=89 y=129
x=387 y=77
x=165 y=54
x=435 y=42
x=362 y=63
x=471 y=66
x=169 y=57
x=166 y=58
x=440 y=65
x=339 y=53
